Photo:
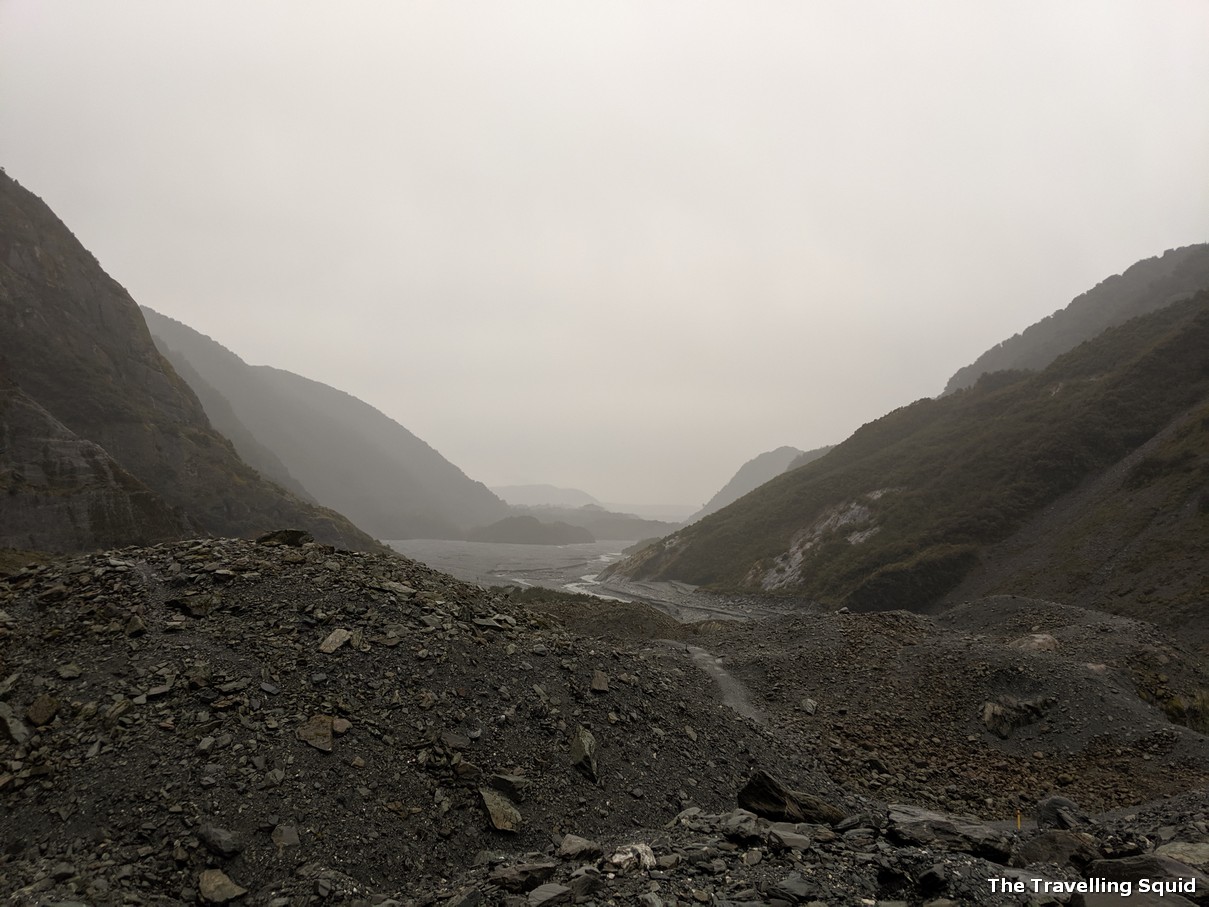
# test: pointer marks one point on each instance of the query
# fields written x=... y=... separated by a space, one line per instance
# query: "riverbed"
x=569 y=568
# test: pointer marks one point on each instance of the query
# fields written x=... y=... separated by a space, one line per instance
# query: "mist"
x=621 y=247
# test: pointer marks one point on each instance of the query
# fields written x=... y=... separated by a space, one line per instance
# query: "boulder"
x=915 y=826
x=583 y=752
x=769 y=798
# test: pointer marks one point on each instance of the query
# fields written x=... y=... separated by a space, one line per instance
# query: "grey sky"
x=618 y=246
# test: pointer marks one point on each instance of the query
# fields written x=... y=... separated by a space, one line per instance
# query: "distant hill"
x=1146 y=286
x=91 y=381
x=809 y=456
x=754 y=473
x=900 y=514
x=601 y=523
x=543 y=496
x=529 y=530
x=342 y=451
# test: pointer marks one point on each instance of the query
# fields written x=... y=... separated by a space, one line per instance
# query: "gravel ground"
x=218 y=721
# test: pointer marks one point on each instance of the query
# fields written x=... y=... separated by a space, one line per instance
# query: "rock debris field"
x=281 y=723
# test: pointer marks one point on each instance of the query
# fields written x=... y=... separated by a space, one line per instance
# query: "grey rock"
x=317 y=732
x=549 y=894
x=14 y=728
x=913 y=825
x=522 y=877
x=1059 y=812
x=573 y=847
x=216 y=888
x=219 y=840
x=1155 y=868
x=515 y=786
x=768 y=797
x=583 y=752
x=501 y=811
x=335 y=640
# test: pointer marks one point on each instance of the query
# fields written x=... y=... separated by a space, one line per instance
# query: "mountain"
x=1131 y=540
x=76 y=345
x=602 y=523
x=529 y=530
x=900 y=513
x=809 y=456
x=543 y=496
x=1146 y=286
x=754 y=473
x=60 y=492
x=341 y=450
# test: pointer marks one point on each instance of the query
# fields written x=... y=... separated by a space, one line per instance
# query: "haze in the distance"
x=622 y=247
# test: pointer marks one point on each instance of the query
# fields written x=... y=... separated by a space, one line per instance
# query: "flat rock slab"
x=1155 y=869
x=335 y=640
x=549 y=894
x=1192 y=854
x=501 y=811
x=14 y=728
x=317 y=732
x=573 y=847
x=913 y=825
x=216 y=888
x=769 y=798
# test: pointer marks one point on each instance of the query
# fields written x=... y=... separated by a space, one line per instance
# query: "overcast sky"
x=616 y=246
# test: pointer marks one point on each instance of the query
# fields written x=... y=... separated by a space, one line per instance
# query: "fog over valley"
x=644 y=452
x=624 y=247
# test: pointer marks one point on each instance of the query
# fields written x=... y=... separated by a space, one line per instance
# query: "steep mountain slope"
x=345 y=452
x=809 y=456
x=75 y=343
x=899 y=513
x=1131 y=540
x=754 y=473
x=1146 y=286
x=222 y=416
x=751 y=475
x=60 y=492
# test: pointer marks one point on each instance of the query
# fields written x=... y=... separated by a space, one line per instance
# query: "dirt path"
x=734 y=692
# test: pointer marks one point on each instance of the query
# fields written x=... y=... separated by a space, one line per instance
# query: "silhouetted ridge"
x=1146 y=286
x=344 y=452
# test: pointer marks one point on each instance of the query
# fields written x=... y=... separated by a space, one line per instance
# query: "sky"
x=617 y=246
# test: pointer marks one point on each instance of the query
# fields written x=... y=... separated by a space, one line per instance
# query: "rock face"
x=60 y=492
x=75 y=343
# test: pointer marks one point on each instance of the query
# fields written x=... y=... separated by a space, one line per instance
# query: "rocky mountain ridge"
x=754 y=473
x=308 y=725
x=1144 y=287
x=76 y=344
x=902 y=511
x=344 y=452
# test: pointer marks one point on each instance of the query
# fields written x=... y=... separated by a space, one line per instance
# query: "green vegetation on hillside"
x=1144 y=287
x=896 y=515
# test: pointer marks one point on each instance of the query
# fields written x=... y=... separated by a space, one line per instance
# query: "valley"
x=966 y=643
